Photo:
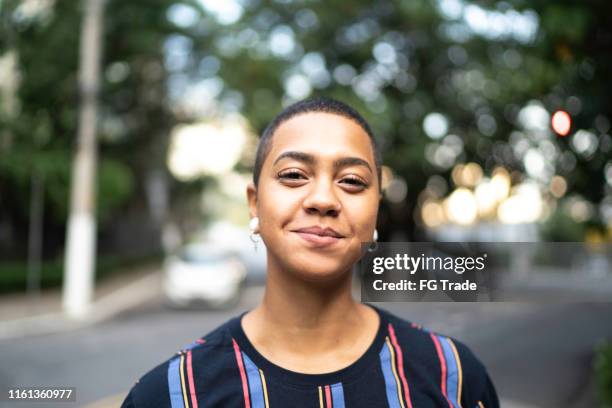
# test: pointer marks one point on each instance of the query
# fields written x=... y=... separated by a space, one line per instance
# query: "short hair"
x=318 y=104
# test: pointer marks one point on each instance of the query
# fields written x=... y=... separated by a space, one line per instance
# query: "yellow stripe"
x=459 y=370
x=265 y=387
x=181 y=369
x=399 y=393
x=320 y=397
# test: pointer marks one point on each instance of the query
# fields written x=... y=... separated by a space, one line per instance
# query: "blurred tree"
x=38 y=123
x=478 y=64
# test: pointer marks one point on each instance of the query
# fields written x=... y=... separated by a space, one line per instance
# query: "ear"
x=251 y=193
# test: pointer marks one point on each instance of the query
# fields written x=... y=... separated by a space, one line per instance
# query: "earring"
x=374 y=245
x=254 y=227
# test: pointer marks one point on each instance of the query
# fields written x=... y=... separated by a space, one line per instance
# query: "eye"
x=291 y=175
x=354 y=182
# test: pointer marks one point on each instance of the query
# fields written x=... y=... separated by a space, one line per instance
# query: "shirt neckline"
x=286 y=376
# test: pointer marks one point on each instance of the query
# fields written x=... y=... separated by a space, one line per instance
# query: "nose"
x=322 y=199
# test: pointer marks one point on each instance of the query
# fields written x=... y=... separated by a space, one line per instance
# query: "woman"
x=313 y=201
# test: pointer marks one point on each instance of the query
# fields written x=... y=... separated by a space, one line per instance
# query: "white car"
x=203 y=273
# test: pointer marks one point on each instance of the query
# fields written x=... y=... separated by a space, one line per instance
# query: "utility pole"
x=79 y=262
x=35 y=234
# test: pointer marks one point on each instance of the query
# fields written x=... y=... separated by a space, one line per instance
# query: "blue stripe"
x=255 y=387
x=174 y=383
x=337 y=395
x=452 y=375
x=391 y=385
x=192 y=345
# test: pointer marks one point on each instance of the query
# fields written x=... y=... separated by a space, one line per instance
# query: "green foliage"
x=115 y=181
x=440 y=65
x=134 y=120
x=603 y=372
x=13 y=274
x=561 y=227
x=444 y=66
x=566 y=22
x=115 y=185
x=16 y=170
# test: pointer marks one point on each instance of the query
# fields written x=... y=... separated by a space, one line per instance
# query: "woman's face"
x=317 y=198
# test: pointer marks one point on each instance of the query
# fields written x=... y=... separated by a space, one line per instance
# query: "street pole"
x=79 y=262
x=35 y=234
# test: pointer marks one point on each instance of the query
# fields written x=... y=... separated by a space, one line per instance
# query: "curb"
x=104 y=308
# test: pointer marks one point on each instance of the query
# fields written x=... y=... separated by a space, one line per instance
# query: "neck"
x=307 y=316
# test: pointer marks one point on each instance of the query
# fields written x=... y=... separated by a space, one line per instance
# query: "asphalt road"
x=537 y=355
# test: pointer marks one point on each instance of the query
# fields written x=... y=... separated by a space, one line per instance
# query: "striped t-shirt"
x=405 y=366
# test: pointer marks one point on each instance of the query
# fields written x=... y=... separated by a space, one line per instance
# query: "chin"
x=319 y=268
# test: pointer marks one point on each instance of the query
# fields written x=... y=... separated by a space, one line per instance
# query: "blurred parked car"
x=203 y=273
x=236 y=239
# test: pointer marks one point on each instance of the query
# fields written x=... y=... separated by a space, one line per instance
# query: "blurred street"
x=545 y=361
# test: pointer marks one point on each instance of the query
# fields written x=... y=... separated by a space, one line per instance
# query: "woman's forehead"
x=322 y=134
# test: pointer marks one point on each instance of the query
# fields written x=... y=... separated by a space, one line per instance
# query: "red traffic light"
x=561 y=122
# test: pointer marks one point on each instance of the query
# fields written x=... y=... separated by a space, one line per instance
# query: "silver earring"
x=254 y=227
x=374 y=245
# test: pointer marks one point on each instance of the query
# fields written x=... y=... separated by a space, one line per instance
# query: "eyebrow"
x=310 y=159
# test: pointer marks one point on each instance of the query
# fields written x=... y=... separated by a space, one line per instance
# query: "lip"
x=319 y=236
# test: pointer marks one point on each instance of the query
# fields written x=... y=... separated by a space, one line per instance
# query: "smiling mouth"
x=318 y=240
x=318 y=236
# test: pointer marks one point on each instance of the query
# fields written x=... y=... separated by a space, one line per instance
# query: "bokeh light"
x=461 y=206
x=501 y=183
x=397 y=190
x=585 y=143
x=558 y=186
x=534 y=116
x=206 y=148
x=561 y=123
x=525 y=205
x=433 y=214
x=386 y=177
x=435 y=125
x=486 y=198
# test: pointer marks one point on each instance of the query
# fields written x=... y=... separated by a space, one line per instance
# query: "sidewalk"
x=23 y=315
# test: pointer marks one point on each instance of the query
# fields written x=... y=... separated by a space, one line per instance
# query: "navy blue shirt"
x=405 y=366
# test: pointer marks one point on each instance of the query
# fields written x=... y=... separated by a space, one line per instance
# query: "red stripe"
x=328 y=396
x=400 y=363
x=245 y=386
x=194 y=399
x=442 y=367
x=201 y=341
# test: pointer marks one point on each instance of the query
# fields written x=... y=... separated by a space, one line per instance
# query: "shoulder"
x=158 y=386
x=442 y=356
x=416 y=337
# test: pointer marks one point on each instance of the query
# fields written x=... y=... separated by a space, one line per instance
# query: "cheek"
x=362 y=215
x=276 y=206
